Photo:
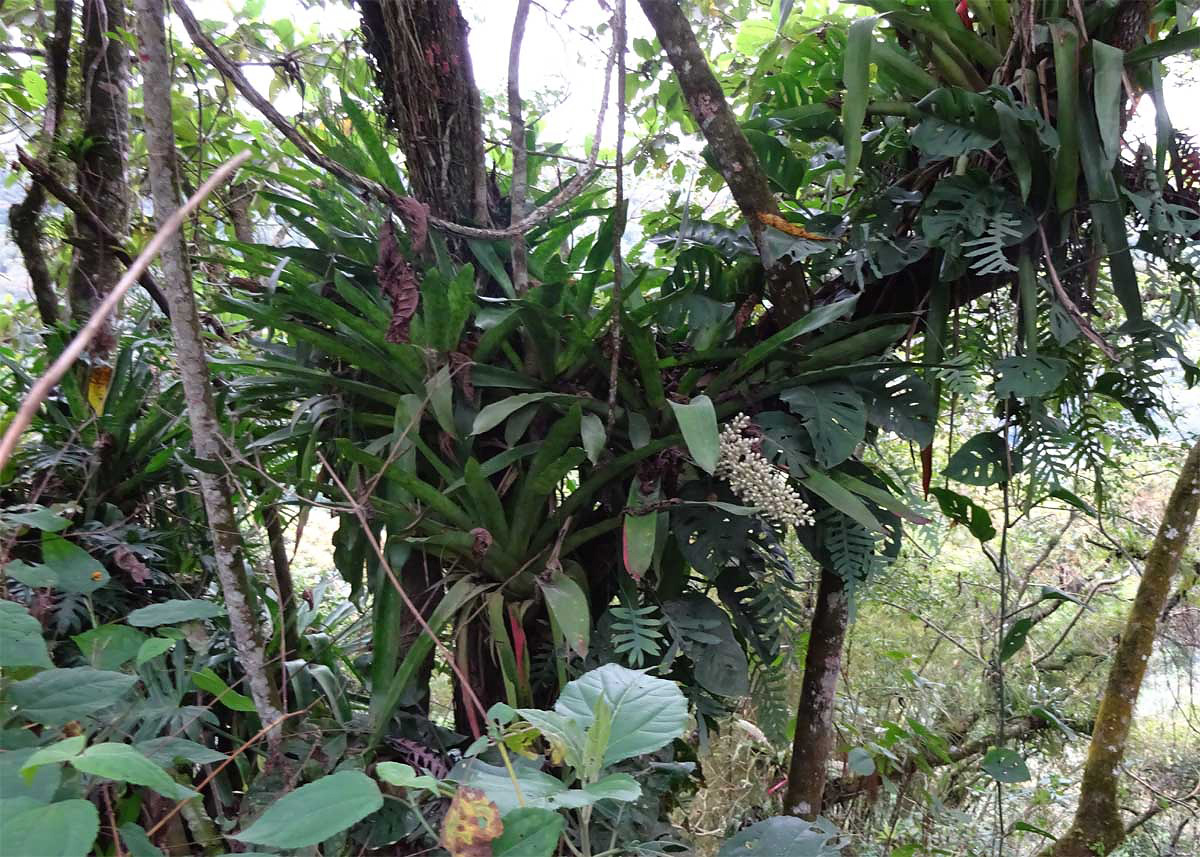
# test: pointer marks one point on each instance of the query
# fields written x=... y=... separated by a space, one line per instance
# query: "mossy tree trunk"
x=1097 y=828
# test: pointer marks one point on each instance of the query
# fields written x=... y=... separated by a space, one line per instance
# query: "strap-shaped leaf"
x=698 y=421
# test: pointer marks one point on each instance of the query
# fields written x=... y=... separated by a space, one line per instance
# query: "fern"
x=768 y=689
x=636 y=633
x=850 y=546
x=987 y=251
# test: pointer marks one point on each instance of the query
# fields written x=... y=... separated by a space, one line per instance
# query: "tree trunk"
x=193 y=369
x=23 y=218
x=101 y=169
x=423 y=65
x=813 y=742
x=1097 y=828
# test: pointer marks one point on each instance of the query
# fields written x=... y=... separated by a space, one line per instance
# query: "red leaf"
x=926 y=469
x=415 y=215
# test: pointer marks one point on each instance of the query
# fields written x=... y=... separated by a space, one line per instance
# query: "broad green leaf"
x=782 y=836
x=21 y=643
x=42 y=519
x=210 y=682
x=72 y=566
x=835 y=417
x=60 y=751
x=35 y=88
x=123 y=763
x=856 y=70
x=315 y=812
x=164 y=751
x=703 y=631
x=860 y=762
x=620 y=787
x=405 y=777
x=1029 y=377
x=35 y=576
x=21 y=790
x=64 y=829
x=529 y=832
x=58 y=696
x=568 y=604
x=137 y=842
x=152 y=648
x=647 y=712
x=174 y=611
x=539 y=790
x=109 y=646
x=1005 y=766
x=591 y=431
x=698 y=422
x=983 y=460
x=1014 y=639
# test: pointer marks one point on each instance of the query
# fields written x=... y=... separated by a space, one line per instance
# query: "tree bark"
x=813 y=741
x=102 y=166
x=423 y=65
x=738 y=164
x=193 y=370
x=24 y=217
x=1097 y=828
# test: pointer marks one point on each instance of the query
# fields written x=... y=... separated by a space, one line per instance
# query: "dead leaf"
x=415 y=215
x=98 y=382
x=472 y=822
x=128 y=561
x=398 y=281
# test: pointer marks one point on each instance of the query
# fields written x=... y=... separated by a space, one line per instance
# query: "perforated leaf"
x=1026 y=377
x=983 y=460
x=835 y=417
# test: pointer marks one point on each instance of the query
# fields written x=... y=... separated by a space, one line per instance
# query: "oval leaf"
x=698 y=422
x=174 y=611
x=529 y=832
x=64 y=829
x=315 y=812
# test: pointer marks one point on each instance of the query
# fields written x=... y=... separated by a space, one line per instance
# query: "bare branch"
x=42 y=387
x=517 y=187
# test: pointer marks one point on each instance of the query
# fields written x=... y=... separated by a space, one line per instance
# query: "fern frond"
x=987 y=251
x=636 y=633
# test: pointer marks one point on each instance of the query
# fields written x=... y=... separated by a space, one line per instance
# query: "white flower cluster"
x=756 y=480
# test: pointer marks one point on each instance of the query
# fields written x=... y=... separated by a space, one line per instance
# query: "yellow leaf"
x=99 y=378
x=777 y=222
x=472 y=822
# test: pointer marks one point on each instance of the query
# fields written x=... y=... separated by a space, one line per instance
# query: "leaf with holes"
x=900 y=401
x=965 y=511
x=1005 y=766
x=704 y=633
x=983 y=460
x=835 y=417
x=1027 y=377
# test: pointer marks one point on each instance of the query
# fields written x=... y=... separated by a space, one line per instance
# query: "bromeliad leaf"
x=568 y=605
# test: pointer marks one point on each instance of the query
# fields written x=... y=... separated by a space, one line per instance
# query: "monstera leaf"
x=899 y=401
x=703 y=632
x=835 y=417
x=1027 y=377
x=712 y=538
x=983 y=460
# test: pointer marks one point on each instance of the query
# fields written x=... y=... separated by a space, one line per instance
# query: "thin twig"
x=517 y=187
x=254 y=739
x=42 y=387
x=1069 y=305
x=618 y=218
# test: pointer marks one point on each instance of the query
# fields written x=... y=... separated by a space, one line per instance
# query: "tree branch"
x=45 y=178
x=517 y=187
x=736 y=160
